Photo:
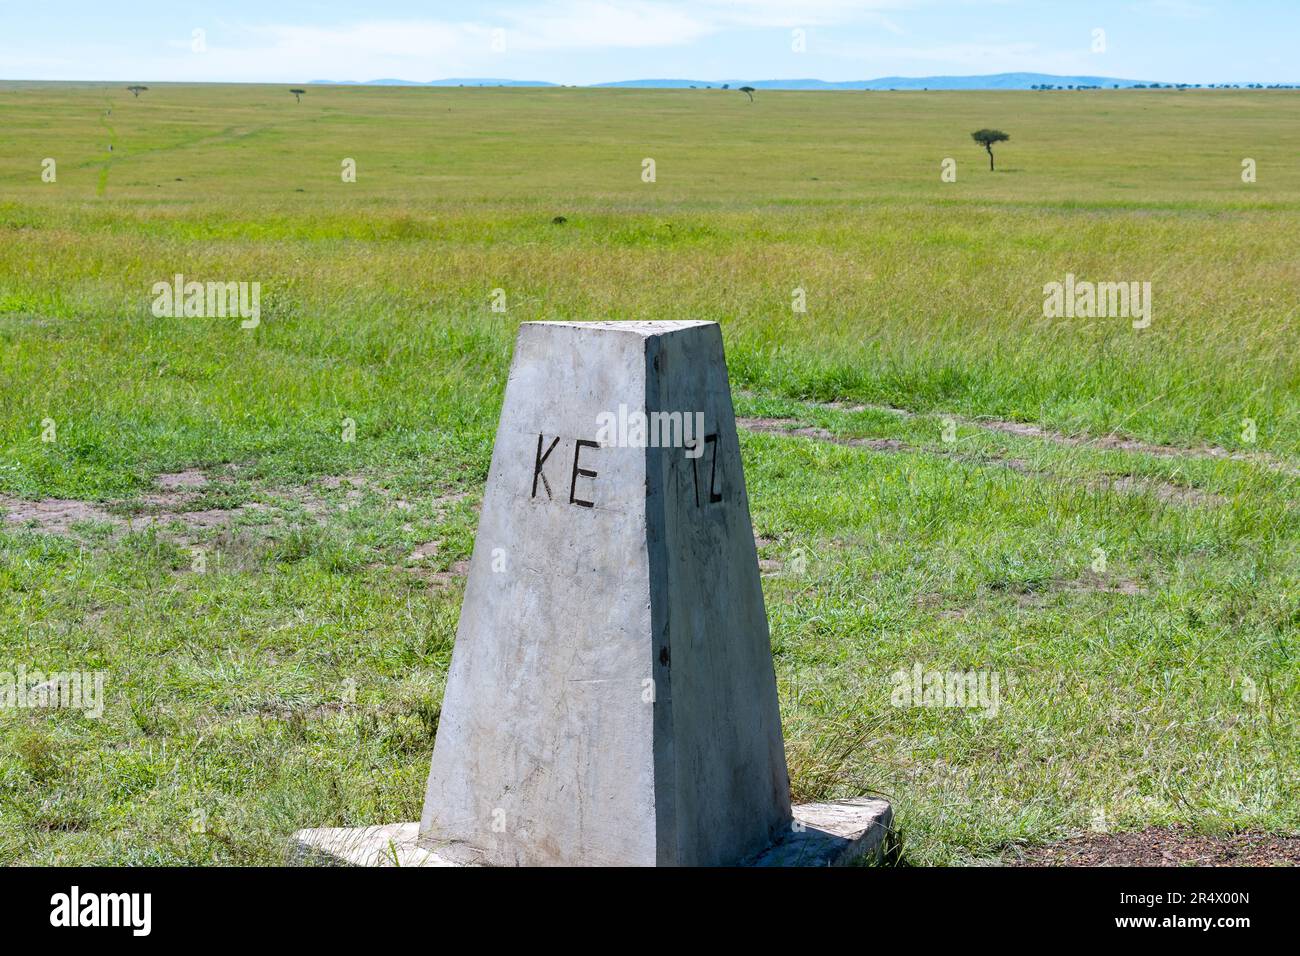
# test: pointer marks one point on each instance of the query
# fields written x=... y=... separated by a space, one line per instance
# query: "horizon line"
x=683 y=82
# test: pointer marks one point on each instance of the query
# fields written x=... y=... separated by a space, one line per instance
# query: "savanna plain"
x=260 y=534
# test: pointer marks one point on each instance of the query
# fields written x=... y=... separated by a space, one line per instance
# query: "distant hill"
x=451 y=81
x=668 y=84
x=994 y=81
x=471 y=81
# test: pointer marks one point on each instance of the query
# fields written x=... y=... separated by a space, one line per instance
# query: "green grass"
x=1163 y=689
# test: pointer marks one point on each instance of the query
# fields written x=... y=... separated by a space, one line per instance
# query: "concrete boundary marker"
x=611 y=698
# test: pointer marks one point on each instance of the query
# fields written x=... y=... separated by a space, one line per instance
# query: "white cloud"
x=1183 y=9
x=390 y=38
x=599 y=24
x=601 y=35
x=807 y=13
x=977 y=56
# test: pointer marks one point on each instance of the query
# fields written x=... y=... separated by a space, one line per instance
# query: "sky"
x=594 y=41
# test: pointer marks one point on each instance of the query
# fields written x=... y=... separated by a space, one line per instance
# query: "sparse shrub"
x=986 y=138
x=38 y=753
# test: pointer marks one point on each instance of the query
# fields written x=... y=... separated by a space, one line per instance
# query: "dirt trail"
x=171 y=500
x=1166 y=491
x=171 y=508
x=1110 y=442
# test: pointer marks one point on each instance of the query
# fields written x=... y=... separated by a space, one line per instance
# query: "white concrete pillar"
x=611 y=698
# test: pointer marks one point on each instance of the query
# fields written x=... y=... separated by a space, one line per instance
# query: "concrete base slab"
x=838 y=833
x=826 y=834
x=393 y=844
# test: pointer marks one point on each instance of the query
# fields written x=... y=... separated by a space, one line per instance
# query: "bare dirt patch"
x=53 y=515
x=311 y=500
x=174 y=507
x=354 y=489
x=766 y=566
x=458 y=571
x=177 y=480
x=174 y=491
x=1165 y=846
x=167 y=507
x=422 y=552
x=450 y=498
x=59 y=516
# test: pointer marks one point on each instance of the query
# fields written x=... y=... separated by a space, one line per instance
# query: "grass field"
x=1105 y=517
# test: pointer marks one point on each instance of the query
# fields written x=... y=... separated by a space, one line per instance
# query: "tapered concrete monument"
x=611 y=698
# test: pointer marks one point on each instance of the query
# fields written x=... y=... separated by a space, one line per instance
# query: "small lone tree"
x=748 y=91
x=136 y=90
x=986 y=138
x=297 y=95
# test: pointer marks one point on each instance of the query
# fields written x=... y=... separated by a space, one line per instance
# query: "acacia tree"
x=748 y=91
x=986 y=138
x=297 y=94
x=136 y=90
